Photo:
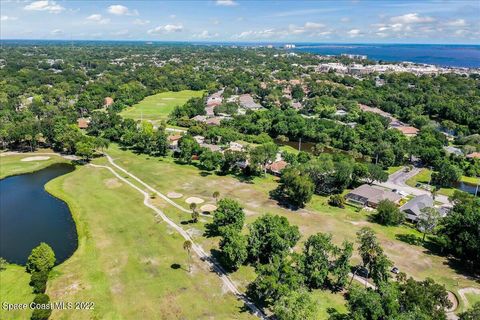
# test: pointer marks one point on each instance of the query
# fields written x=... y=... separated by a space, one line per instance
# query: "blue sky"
x=436 y=21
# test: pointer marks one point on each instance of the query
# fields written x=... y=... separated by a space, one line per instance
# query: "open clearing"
x=167 y=176
x=159 y=106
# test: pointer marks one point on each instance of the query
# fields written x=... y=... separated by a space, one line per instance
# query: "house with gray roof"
x=367 y=195
x=413 y=208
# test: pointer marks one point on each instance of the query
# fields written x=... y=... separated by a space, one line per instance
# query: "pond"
x=467 y=187
x=30 y=215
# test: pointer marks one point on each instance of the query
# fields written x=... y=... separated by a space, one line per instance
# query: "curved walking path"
x=196 y=248
x=462 y=292
x=161 y=195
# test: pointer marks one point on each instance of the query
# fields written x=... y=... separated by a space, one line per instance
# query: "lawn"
x=14 y=288
x=159 y=106
x=391 y=170
x=11 y=165
x=165 y=175
x=424 y=177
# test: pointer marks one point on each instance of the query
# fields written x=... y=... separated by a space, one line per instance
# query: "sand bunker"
x=36 y=158
x=208 y=208
x=174 y=195
x=194 y=200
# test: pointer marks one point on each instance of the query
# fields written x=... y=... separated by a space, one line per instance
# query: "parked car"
x=395 y=270
x=360 y=271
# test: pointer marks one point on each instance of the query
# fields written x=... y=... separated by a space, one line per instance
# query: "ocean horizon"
x=445 y=55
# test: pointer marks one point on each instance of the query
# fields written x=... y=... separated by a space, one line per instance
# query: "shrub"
x=42 y=258
x=38 y=281
x=337 y=200
x=39 y=313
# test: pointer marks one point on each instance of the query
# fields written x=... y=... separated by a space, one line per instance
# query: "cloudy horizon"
x=357 y=21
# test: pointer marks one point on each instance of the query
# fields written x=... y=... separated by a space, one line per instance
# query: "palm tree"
x=187 y=245
x=216 y=194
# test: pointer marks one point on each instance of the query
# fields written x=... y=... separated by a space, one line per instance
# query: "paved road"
x=397 y=180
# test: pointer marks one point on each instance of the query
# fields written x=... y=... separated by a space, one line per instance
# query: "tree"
x=271 y=236
x=233 y=248
x=375 y=173
x=341 y=267
x=471 y=314
x=187 y=246
x=38 y=281
x=296 y=305
x=460 y=229
x=188 y=147
x=3 y=264
x=263 y=154
x=42 y=258
x=40 y=313
x=337 y=200
x=84 y=149
x=229 y=213
x=195 y=214
x=317 y=252
x=295 y=187
x=448 y=174
x=160 y=143
x=365 y=304
x=215 y=195
x=275 y=280
x=428 y=220
x=388 y=213
x=210 y=160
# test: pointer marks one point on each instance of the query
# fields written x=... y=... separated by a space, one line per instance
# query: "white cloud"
x=120 y=33
x=119 y=10
x=172 y=16
x=98 y=18
x=215 y=21
x=8 y=18
x=226 y=3
x=266 y=33
x=345 y=19
x=354 y=33
x=205 y=34
x=457 y=23
x=44 y=5
x=140 y=22
x=410 y=18
x=56 y=32
x=169 y=28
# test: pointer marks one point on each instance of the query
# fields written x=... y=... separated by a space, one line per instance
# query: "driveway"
x=397 y=180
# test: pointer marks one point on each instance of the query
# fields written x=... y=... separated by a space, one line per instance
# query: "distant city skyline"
x=352 y=21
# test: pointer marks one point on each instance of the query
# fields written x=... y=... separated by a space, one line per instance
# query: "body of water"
x=467 y=56
x=30 y=215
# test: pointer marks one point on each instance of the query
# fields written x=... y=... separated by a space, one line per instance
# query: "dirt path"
x=228 y=283
x=462 y=292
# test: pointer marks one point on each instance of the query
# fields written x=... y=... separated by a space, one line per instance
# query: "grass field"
x=165 y=175
x=11 y=164
x=14 y=288
x=391 y=170
x=159 y=106
x=424 y=177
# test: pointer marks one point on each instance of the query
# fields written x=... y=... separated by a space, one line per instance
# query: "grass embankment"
x=12 y=165
x=127 y=263
x=14 y=288
x=165 y=175
x=391 y=170
x=424 y=177
x=159 y=106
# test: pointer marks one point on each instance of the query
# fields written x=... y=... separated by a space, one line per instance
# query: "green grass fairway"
x=159 y=106
x=14 y=288
x=11 y=165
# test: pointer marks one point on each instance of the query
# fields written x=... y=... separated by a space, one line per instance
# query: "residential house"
x=413 y=208
x=82 y=123
x=453 y=150
x=247 y=102
x=368 y=195
x=473 y=155
x=173 y=141
x=107 y=102
x=407 y=130
x=200 y=118
x=276 y=167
